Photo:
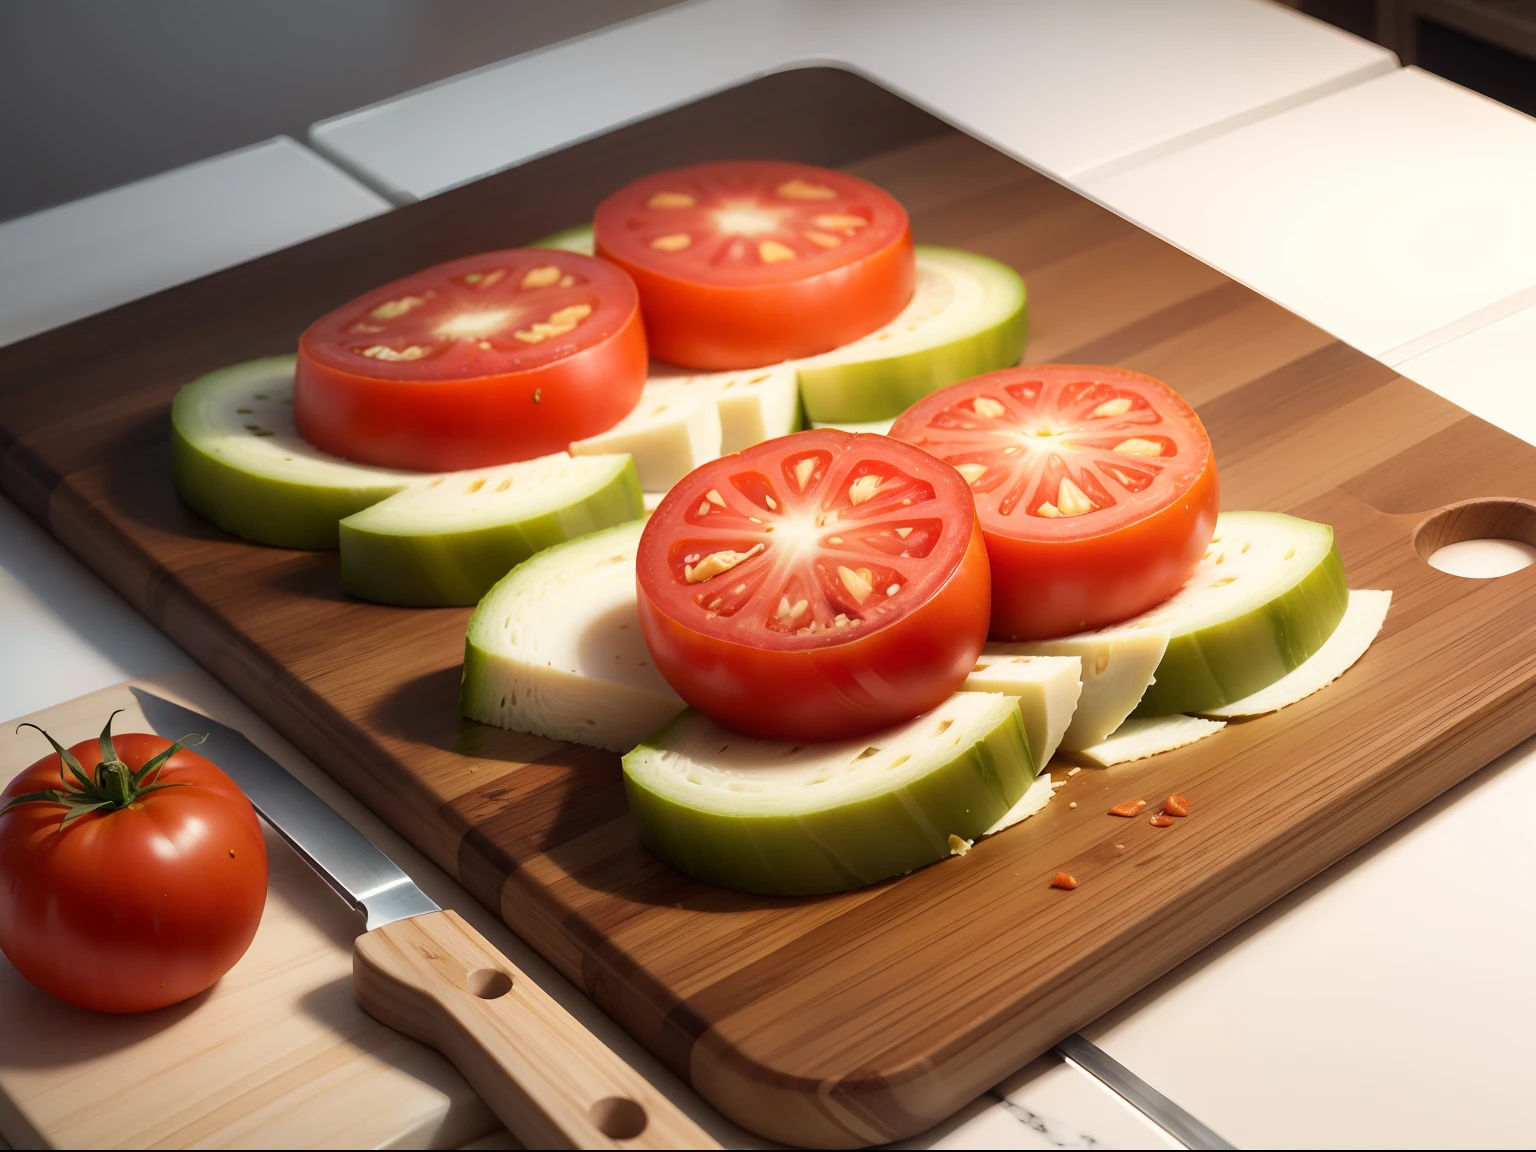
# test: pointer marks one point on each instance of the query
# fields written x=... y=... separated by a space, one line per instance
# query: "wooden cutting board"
x=276 y=1055
x=867 y=1016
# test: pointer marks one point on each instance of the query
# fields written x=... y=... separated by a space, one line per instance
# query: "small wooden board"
x=867 y=1016
x=276 y=1055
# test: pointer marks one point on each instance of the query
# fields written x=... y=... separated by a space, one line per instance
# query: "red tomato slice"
x=1096 y=489
x=742 y=263
x=498 y=357
x=815 y=587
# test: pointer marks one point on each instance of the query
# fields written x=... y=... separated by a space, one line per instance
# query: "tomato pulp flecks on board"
x=1096 y=489
x=818 y=586
x=485 y=360
x=743 y=263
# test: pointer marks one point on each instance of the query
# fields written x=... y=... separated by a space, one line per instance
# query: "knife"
x=427 y=973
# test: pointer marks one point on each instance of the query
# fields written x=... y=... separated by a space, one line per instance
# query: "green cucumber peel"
x=968 y=315
x=555 y=648
x=1266 y=597
x=787 y=819
x=238 y=461
x=448 y=540
x=577 y=238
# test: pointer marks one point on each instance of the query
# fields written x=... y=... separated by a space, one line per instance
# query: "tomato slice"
x=493 y=358
x=815 y=587
x=742 y=263
x=1096 y=489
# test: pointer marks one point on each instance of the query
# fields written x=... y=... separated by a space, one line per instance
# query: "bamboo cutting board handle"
x=552 y=1083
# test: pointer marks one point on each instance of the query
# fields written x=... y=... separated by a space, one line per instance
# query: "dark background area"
x=1486 y=45
x=97 y=93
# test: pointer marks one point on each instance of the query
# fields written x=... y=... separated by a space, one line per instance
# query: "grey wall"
x=97 y=93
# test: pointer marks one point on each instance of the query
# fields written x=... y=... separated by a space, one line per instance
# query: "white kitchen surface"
x=1491 y=372
x=93 y=254
x=1389 y=1003
x=1394 y=214
x=1074 y=88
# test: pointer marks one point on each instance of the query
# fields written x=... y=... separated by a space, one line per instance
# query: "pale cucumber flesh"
x=446 y=541
x=1148 y=736
x=798 y=819
x=237 y=459
x=555 y=648
x=1117 y=666
x=968 y=315
x=1047 y=689
x=1361 y=622
x=1267 y=595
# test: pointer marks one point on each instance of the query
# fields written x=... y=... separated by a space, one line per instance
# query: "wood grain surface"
x=276 y=1055
x=867 y=1016
x=553 y=1083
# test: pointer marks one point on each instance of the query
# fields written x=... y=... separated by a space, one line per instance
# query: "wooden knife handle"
x=552 y=1083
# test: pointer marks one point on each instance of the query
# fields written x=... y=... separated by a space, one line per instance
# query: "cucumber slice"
x=1034 y=799
x=577 y=239
x=968 y=315
x=238 y=461
x=1356 y=632
x=1117 y=667
x=1138 y=739
x=875 y=427
x=1047 y=688
x=555 y=648
x=669 y=434
x=755 y=405
x=445 y=541
x=684 y=419
x=1268 y=594
x=798 y=819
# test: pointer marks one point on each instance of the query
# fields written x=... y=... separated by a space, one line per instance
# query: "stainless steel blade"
x=1078 y=1050
x=341 y=854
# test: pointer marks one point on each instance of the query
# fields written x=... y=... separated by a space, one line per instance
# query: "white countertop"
x=1395 y=214
x=1072 y=88
x=93 y=254
x=1386 y=1002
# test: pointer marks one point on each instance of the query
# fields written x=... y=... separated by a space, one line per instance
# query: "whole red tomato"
x=129 y=880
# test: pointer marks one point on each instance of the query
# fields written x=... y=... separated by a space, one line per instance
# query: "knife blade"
x=428 y=973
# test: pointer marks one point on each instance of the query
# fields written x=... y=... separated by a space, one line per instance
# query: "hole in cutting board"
x=488 y=983
x=1479 y=539
x=618 y=1117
